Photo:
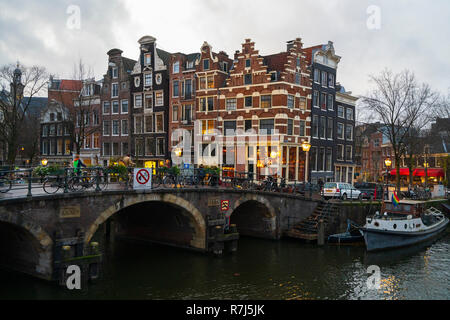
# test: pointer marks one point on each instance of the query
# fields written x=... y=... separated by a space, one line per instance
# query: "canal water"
x=261 y=269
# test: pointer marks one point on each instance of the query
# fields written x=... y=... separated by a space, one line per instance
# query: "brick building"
x=265 y=97
x=115 y=110
x=150 y=105
x=57 y=121
x=182 y=99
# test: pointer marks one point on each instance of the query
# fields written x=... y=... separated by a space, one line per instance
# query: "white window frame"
x=155 y=103
x=337 y=131
x=112 y=128
x=176 y=67
x=112 y=107
x=147 y=63
x=156 y=122
x=115 y=72
x=116 y=84
x=122 y=127
x=134 y=98
x=121 y=106
x=148 y=76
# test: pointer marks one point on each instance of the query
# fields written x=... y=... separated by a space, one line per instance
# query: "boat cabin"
x=405 y=207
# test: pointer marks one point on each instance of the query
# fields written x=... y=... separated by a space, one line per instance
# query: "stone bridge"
x=40 y=235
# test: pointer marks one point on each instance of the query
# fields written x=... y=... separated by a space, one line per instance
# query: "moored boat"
x=352 y=235
x=402 y=224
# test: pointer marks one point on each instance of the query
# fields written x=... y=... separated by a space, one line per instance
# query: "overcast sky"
x=412 y=34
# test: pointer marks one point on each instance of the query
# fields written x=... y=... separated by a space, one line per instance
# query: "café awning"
x=420 y=172
x=403 y=172
x=431 y=172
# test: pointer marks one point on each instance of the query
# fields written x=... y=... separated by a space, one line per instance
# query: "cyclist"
x=77 y=165
x=127 y=161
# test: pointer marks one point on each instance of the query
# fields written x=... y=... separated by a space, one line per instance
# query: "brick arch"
x=199 y=239
x=40 y=242
x=257 y=198
x=42 y=237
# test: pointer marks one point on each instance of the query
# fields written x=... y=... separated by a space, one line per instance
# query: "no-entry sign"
x=142 y=179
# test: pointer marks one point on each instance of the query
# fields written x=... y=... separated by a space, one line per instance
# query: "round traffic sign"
x=142 y=176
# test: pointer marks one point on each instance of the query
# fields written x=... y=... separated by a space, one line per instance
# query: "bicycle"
x=88 y=181
x=5 y=184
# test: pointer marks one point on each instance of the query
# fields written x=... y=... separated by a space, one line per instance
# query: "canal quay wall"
x=43 y=235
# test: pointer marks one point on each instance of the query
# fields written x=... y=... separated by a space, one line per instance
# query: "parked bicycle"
x=5 y=183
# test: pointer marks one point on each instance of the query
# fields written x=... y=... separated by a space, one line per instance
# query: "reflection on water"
x=260 y=269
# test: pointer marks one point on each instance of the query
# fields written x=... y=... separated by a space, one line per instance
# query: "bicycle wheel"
x=102 y=182
x=156 y=181
x=168 y=182
x=51 y=186
x=5 y=185
x=75 y=184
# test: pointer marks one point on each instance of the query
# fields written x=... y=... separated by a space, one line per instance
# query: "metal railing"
x=25 y=182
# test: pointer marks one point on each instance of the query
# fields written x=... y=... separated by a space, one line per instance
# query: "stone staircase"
x=308 y=228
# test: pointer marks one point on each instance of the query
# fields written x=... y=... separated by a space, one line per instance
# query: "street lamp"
x=306 y=146
x=178 y=152
x=44 y=162
x=388 y=163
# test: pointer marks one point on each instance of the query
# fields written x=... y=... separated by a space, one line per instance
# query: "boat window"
x=406 y=226
x=395 y=226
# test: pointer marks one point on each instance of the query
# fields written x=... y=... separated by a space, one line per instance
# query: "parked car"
x=341 y=190
x=368 y=189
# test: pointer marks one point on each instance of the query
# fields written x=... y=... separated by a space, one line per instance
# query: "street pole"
x=306 y=167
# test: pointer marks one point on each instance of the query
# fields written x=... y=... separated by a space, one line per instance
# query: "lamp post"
x=306 y=146
x=426 y=165
x=388 y=163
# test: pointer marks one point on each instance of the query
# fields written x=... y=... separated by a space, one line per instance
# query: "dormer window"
x=225 y=66
x=176 y=67
x=189 y=64
x=206 y=64
x=115 y=72
x=148 y=59
x=52 y=117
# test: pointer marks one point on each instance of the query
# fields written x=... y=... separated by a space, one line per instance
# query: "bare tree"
x=23 y=84
x=79 y=111
x=399 y=102
x=29 y=137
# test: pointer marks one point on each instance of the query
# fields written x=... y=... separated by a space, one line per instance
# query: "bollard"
x=94 y=248
x=321 y=233
x=66 y=254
